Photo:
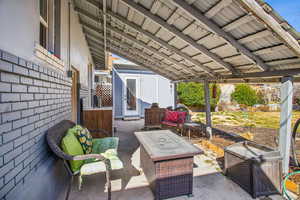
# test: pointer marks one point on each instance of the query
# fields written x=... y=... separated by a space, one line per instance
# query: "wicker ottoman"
x=167 y=161
x=256 y=168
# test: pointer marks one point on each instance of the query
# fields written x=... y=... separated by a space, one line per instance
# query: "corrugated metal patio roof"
x=219 y=40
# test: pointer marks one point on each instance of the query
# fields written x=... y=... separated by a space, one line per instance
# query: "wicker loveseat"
x=54 y=137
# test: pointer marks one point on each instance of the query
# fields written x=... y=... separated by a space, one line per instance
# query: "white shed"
x=136 y=88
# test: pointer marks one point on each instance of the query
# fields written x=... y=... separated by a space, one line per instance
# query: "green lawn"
x=246 y=119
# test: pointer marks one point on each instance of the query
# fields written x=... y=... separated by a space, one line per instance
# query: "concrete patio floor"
x=130 y=184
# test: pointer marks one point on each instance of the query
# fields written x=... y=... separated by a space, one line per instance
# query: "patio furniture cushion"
x=71 y=146
x=171 y=116
x=99 y=166
x=85 y=139
x=181 y=116
x=75 y=129
x=168 y=123
x=107 y=147
x=101 y=145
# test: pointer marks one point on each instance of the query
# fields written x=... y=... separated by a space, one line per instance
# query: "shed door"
x=131 y=95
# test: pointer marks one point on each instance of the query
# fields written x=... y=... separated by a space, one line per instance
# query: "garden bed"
x=260 y=127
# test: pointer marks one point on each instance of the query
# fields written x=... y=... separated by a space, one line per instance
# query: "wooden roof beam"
x=264 y=74
x=156 y=39
x=179 y=34
x=145 y=56
x=96 y=51
x=138 y=60
x=97 y=58
x=135 y=60
x=152 y=37
x=261 y=14
x=252 y=37
x=140 y=43
x=266 y=50
x=238 y=22
x=99 y=41
x=216 y=29
x=217 y=8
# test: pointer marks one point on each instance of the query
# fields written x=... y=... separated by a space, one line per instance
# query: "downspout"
x=69 y=72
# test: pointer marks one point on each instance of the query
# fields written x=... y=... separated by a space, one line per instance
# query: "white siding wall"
x=34 y=97
x=19 y=31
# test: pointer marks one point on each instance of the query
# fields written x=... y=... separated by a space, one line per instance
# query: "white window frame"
x=45 y=24
x=44 y=53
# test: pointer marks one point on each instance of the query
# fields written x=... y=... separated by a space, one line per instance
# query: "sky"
x=289 y=10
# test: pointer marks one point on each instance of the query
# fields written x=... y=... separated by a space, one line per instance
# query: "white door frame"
x=124 y=96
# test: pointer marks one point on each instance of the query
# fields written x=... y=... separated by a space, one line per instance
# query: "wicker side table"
x=153 y=117
x=189 y=126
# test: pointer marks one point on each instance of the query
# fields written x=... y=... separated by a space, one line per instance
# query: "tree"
x=244 y=94
x=192 y=94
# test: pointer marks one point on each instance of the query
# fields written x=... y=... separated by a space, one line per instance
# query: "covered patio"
x=130 y=183
x=202 y=41
x=206 y=41
x=214 y=41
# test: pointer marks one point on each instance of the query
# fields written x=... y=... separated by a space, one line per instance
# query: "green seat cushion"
x=107 y=147
x=84 y=137
x=70 y=145
x=104 y=144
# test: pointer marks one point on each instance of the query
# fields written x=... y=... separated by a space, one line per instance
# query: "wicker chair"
x=184 y=109
x=177 y=126
x=54 y=137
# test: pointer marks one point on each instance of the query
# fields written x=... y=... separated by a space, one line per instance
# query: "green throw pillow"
x=71 y=146
x=86 y=140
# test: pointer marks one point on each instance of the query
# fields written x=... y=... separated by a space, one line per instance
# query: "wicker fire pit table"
x=167 y=161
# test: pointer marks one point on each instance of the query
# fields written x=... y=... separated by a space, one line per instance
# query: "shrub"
x=192 y=94
x=261 y=97
x=244 y=94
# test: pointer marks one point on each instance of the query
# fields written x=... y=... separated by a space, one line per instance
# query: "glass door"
x=131 y=97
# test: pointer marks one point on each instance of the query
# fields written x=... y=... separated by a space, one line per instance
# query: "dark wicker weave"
x=168 y=178
x=153 y=117
x=259 y=175
x=174 y=186
x=54 y=137
x=169 y=172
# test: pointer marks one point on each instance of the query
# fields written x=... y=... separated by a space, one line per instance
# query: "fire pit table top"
x=165 y=145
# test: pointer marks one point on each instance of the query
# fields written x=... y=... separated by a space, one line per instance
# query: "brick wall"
x=32 y=99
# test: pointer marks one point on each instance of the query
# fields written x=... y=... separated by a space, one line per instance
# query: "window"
x=50 y=26
x=44 y=10
x=57 y=27
x=43 y=23
x=48 y=48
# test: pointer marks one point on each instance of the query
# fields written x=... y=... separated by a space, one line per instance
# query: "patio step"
x=131 y=118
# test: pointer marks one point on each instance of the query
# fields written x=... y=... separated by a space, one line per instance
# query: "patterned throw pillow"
x=171 y=116
x=85 y=140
